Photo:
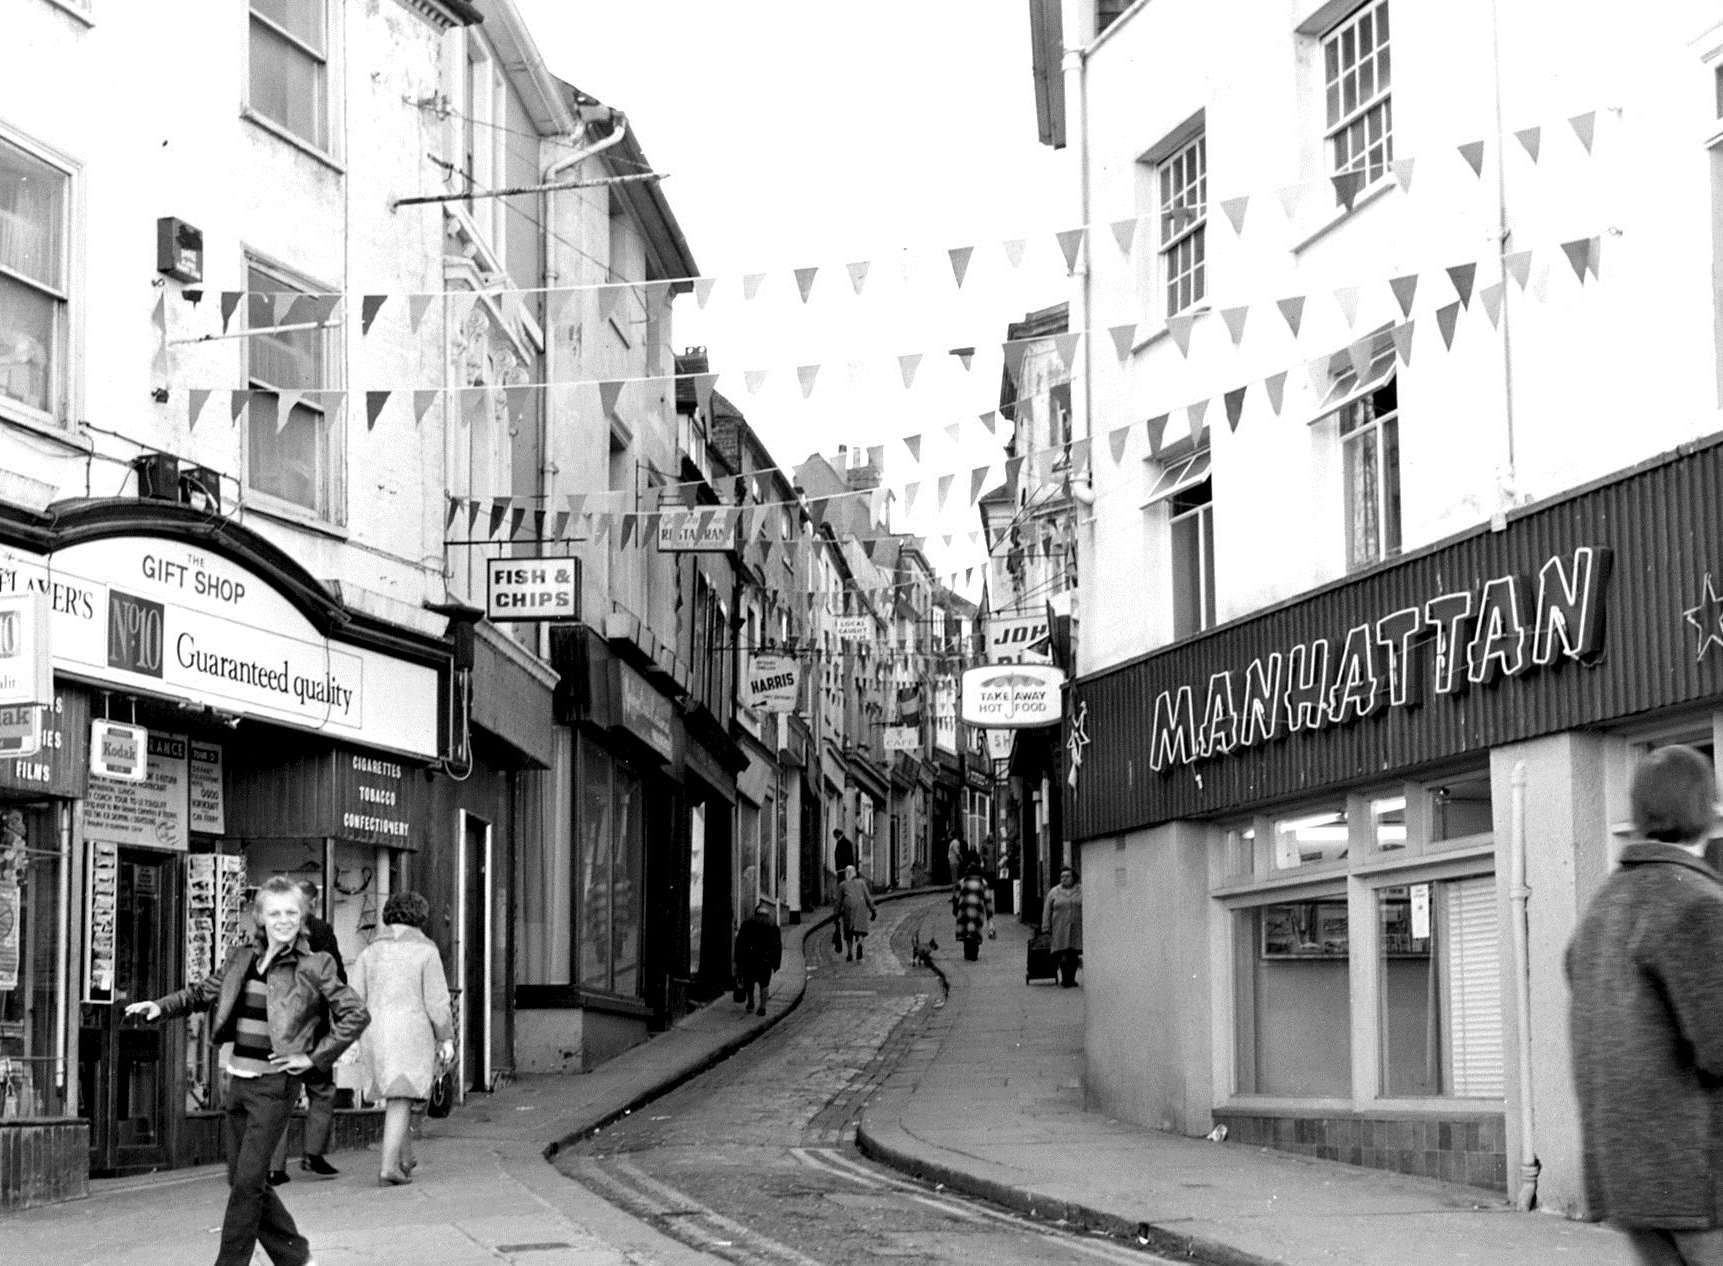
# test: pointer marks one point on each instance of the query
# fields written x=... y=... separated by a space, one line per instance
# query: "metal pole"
x=474 y=194
x=1526 y=1193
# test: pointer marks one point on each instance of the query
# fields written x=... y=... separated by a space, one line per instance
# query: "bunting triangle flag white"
x=858 y=274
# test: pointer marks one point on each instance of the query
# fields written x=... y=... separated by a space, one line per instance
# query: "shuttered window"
x=1474 y=989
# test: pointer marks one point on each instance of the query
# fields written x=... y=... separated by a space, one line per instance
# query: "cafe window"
x=611 y=844
x=30 y=983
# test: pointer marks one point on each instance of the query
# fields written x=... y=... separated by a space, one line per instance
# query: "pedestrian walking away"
x=400 y=977
x=974 y=910
x=272 y=998
x=843 y=854
x=759 y=953
x=1062 y=920
x=319 y=1086
x=855 y=911
x=1645 y=968
x=954 y=860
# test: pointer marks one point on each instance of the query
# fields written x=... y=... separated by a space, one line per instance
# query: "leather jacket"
x=311 y=1012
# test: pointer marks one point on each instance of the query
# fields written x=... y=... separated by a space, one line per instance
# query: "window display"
x=611 y=851
x=29 y=962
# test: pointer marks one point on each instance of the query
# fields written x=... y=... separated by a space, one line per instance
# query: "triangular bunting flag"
x=805 y=280
x=559 y=526
x=1293 y=310
x=990 y=420
x=1359 y=354
x=1403 y=342
x=1461 y=275
x=965 y=356
x=1234 y=318
x=1125 y=233
x=1066 y=347
x=960 y=262
x=1531 y=138
x=1446 y=318
x=374 y=402
x=1491 y=297
x=609 y=393
x=1347 y=298
x=229 y=302
x=1014 y=251
x=750 y=286
x=913 y=444
x=499 y=512
x=196 y=399
x=628 y=524
x=1180 y=328
x=1473 y=153
x=281 y=307
x=517 y=516
x=1402 y=168
x=703 y=289
x=461 y=305
x=1123 y=337
x=608 y=297
x=1194 y=414
x=1346 y=187
x=977 y=478
x=1518 y=266
x=1584 y=126
x=422 y=401
x=285 y=403
x=576 y=502
x=1156 y=428
x=416 y=306
x=907 y=365
x=953 y=431
x=1235 y=209
x=1117 y=438
x=1234 y=407
x=473 y=509
x=1290 y=197
x=1071 y=241
x=806 y=374
x=944 y=490
x=754 y=379
x=1577 y=252
x=452 y=515
x=1079 y=455
x=1404 y=288
x=369 y=307
x=703 y=384
x=1594 y=258
x=1013 y=470
x=1275 y=384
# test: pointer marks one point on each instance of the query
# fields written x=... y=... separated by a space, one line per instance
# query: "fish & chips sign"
x=1505 y=628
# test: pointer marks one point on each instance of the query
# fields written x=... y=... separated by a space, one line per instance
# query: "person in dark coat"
x=759 y=953
x=843 y=853
x=1645 y=968
x=974 y=907
x=319 y=1085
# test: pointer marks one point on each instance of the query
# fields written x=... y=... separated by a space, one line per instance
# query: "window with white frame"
x=1184 y=492
x=1373 y=912
x=294 y=457
x=35 y=197
x=1356 y=75
x=290 y=67
x=1370 y=451
x=1183 y=179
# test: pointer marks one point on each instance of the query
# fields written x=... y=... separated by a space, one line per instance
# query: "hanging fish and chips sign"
x=774 y=681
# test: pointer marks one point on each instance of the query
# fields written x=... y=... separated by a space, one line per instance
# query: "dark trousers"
x=1676 y=1248
x=752 y=983
x=319 y=1117
x=257 y=1110
x=1067 y=960
x=972 y=948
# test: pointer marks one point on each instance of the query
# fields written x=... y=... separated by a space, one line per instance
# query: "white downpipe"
x=1526 y=1191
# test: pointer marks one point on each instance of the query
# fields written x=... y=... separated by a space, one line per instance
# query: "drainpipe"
x=1526 y=1192
x=1078 y=23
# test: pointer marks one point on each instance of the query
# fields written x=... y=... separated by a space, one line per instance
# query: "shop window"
x=290 y=67
x=1388 y=822
x=29 y=961
x=296 y=459
x=1238 y=853
x=1461 y=808
x=1311 y=839
x=611 y=853
x=1294 y=1005
x=34 y=286
x=1440 y=1016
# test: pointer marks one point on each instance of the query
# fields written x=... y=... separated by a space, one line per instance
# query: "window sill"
x=1341 y=214
x=1282 y=887
x=41 y=424
x=286 y=513
x=1445 y=1107
x=1160 y=330
x=297 y=142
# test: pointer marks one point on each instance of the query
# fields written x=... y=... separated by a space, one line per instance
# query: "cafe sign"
x=1012 y=696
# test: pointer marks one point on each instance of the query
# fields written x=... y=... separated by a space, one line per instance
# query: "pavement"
x=988 y=1101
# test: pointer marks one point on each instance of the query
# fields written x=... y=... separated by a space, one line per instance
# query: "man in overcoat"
x=1645 y=967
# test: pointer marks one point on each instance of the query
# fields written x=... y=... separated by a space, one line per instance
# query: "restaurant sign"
x=1448 y=644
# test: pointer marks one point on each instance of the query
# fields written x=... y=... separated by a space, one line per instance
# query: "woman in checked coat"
x=974 y=908
x=400 y=976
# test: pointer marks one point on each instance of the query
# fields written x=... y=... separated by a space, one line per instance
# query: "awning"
x=1347 y=386
x=1179 y=475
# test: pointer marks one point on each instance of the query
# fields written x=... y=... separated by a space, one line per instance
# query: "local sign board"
x=853 y=628
x=709 y=530
x=119 y=751
x=1018 y=639
x=532 y=588
x=773 y=682
x=1012 y=696
x=903 y=738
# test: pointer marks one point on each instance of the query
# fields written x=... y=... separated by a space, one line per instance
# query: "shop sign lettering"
x=1020 y=639
x=696 y=531
x=374 y=806
x=1450 y=643
x=1012 y=696
x=532 y=588
x=773 y=682
x=151 y=810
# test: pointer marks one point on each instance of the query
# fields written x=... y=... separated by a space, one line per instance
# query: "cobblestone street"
x=754 y=1162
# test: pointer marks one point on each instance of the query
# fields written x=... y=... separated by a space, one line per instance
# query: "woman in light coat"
x=1062 y=920
x=400 y=977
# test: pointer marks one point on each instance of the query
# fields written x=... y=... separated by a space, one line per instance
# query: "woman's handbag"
x=442 y=1100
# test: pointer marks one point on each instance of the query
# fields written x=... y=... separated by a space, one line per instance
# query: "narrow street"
x=753 y=1162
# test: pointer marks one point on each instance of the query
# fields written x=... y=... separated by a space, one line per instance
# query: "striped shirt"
x=251 y=1043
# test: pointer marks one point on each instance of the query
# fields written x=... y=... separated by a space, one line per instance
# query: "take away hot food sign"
x=1012 y=696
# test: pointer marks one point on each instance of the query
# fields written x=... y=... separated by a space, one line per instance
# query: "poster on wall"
x=9 y=920
x=102 y=901
x=154 y=813
x=208 y=806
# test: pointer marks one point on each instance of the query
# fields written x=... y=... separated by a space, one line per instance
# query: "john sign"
x=1450 y=643
x=1012 y=696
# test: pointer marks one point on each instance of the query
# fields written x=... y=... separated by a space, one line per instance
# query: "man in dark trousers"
x=843 y=854
x=319 y=1085
x=759 y=953
x=1645 y=967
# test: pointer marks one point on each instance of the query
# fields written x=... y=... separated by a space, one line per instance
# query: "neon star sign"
x=1707 y=617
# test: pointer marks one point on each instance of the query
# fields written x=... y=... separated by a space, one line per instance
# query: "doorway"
x=473 y=954
x=123 y=1066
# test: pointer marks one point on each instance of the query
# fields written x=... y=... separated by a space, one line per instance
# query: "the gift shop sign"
x=172 y=620
x=1451 y=642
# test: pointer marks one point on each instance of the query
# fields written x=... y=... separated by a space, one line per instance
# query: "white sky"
x=802 y=133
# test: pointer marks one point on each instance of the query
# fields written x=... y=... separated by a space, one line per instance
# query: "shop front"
x=235 y=684
x=1298 y=831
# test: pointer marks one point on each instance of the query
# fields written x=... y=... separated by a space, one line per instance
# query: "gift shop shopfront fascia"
x=1332 y=852
x=217 y=716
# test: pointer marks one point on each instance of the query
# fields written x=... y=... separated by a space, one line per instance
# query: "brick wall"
x=1461 y=1148
x=43 y=1162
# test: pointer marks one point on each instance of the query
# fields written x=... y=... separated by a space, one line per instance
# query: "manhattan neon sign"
x=1471 y=637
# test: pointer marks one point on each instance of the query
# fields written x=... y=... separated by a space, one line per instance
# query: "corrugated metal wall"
x=1664 y=524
